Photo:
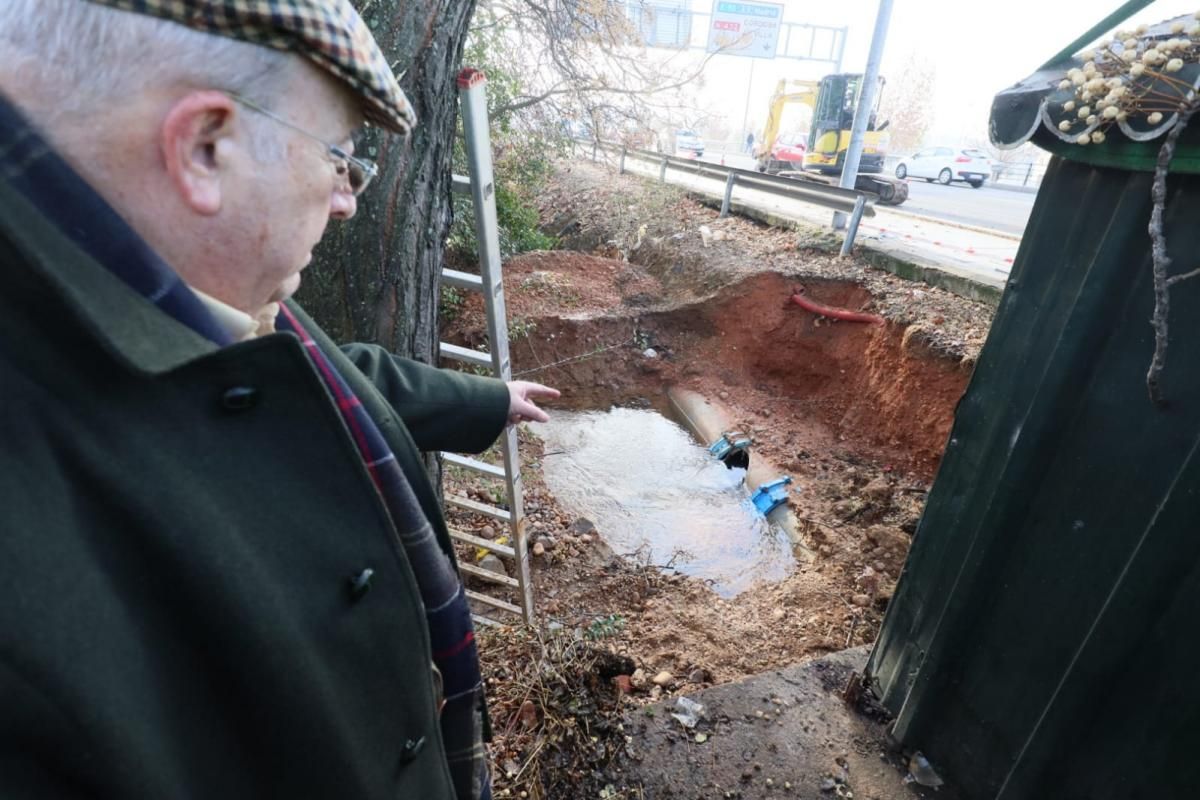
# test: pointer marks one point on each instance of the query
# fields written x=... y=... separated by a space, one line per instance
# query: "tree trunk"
x=376 y=278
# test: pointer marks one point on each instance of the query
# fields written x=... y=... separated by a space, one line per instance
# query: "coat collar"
x=130 y=327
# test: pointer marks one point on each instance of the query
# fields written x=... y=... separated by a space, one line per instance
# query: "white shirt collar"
x=238 y=324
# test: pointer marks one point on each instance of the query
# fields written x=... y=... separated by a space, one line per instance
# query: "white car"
x=946 y=164
x=687 y=143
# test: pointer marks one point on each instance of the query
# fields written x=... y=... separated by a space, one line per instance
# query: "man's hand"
x=521 y=395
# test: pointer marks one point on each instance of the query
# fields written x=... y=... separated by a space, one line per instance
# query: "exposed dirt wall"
x=869 y=386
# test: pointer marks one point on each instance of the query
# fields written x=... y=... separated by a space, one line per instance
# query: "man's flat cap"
x=329 y=33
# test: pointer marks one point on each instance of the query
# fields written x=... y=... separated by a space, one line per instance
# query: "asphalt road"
x=996 y=209
x=986 y=207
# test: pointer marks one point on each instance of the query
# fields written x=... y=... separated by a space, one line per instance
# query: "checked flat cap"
x=329 y=33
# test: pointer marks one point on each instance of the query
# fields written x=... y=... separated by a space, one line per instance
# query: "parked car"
x=946 y=164
x=687 y=143
x=788 y=152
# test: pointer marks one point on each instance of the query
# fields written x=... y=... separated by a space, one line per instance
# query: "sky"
x=977 y=49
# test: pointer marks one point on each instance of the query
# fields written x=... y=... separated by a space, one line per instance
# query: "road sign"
x=745 y=29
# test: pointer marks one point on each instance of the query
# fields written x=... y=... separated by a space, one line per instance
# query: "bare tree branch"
x=1161 y=261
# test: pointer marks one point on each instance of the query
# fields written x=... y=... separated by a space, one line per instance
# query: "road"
x=996 y=209
x=988 y=207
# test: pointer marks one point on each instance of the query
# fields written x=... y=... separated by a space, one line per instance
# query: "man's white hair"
x=86 y=58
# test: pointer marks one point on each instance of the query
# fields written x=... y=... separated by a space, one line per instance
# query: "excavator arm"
x=786 y=92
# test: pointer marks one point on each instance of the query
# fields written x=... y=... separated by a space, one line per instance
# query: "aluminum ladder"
x=480 y=187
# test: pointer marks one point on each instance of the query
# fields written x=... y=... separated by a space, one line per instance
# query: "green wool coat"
x=178 y=526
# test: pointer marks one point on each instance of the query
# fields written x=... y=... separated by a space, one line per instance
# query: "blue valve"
x=771 y=496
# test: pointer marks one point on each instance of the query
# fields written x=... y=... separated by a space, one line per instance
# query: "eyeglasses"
x=358 y=172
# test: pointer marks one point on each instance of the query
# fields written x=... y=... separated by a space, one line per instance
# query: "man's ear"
x=197 y=139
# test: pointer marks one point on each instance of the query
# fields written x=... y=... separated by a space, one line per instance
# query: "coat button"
x=239 y=398
x=411 y=748
x=360 y=584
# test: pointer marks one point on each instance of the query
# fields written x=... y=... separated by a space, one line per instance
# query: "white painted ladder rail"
x=480 y=186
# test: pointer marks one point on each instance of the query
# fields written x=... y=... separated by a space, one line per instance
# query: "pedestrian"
x=223 y=570
x=750 y=142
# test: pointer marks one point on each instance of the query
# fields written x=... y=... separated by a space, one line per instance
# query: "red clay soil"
x=870 y=388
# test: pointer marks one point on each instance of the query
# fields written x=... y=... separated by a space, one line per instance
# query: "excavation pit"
x=856 y=414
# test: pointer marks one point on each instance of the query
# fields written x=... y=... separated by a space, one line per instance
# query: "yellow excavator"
x=832 y=100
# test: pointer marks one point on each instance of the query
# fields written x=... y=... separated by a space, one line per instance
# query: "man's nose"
x=342 y=204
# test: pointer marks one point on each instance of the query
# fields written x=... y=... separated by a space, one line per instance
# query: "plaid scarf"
x=451 y=633
x=29 y=163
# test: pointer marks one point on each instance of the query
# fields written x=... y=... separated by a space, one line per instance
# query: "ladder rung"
x=474 y=464
x=488 y=575
x=460 y=184
x=448 y=350
x=463 y=280
x=486 y=544
x=493 y=601
x=479 y=508
x=479 y=619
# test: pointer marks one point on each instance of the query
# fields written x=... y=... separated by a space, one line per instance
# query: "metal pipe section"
x=707 y=421
x=866 y=102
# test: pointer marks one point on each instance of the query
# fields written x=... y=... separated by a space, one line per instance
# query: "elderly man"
x=223 y=571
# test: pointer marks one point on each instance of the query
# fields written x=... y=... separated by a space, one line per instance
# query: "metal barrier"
x=849 y=201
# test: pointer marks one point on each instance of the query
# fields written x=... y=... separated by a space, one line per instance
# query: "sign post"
x=741 y=28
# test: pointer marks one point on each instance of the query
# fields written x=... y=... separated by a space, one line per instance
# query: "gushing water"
x=651 y=490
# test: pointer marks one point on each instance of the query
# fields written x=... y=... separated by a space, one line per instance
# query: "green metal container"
x=1040 y=640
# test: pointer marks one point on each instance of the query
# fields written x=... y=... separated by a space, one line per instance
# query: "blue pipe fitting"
x=729 y=442
x=770 y=496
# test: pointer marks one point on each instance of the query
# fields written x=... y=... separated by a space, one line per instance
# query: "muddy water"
x=649 y=487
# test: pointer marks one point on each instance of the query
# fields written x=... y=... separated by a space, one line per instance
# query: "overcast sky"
x=977 y=48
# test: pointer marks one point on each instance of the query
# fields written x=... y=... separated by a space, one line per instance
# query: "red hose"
x=836 y=313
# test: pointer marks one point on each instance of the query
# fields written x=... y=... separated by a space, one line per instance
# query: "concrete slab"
x=784 y=734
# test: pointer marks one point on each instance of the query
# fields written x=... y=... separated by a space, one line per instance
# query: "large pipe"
x=835 y=313
x=708 y=420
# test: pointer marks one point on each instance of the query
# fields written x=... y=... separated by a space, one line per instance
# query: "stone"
x=586 y=538
x=778 y=614
x=487 y=532
x=878 y=490
x=638 y=679
x=624 y=684
x=582 y=525
x=888 y=538
x=539 y=549
x=724 y=395
x=699 y=675
x=547 y=542
x=663 y=678
x=649 y=352
x=765 y=413
x=492 y=563
x=861 y=600
x=848 y=507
